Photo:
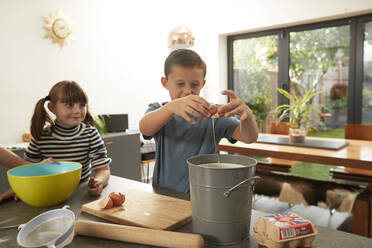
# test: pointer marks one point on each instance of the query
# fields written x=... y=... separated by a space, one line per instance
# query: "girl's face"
x=68 y=114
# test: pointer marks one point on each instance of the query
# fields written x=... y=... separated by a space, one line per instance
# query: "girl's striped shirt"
x=81 y=144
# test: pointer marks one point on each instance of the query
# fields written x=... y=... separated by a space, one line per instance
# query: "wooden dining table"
x=356 y=154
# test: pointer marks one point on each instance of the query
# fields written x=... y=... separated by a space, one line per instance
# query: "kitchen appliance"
x=116 y=122
x=145 y=209
x=221 y=196
x=138 y=235
x=54 y=228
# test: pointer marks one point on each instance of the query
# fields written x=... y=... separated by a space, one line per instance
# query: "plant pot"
x=297 y=135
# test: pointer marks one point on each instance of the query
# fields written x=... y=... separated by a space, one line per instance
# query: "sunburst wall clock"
x=59 y=28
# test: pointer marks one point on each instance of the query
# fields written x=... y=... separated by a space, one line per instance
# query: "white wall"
x=122 y=45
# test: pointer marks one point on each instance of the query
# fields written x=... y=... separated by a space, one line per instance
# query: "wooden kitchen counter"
x=12 y=212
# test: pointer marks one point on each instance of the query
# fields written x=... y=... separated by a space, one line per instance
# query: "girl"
x=71 y=136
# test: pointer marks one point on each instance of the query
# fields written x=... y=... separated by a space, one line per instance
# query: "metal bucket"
x=221 y=197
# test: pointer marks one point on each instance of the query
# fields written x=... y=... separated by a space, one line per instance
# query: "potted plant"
x=100 y=125
x=260 y=107
x=299 y=113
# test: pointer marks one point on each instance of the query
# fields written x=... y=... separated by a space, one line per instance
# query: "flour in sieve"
x=48 y=231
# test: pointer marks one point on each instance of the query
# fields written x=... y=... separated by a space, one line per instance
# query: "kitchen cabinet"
x=124 y=150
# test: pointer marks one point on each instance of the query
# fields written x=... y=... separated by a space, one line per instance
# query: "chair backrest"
x=279 y=128
x=358 y=131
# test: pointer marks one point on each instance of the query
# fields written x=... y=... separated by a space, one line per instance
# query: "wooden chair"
x=146 y=176
x=362 y=224
x=360 y=132
x=280 y=128
x=277 y=164
x=147 y=157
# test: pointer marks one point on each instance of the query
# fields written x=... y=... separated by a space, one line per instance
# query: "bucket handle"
x=255 y=180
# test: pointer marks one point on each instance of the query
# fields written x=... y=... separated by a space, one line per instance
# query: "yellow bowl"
x=45 y=184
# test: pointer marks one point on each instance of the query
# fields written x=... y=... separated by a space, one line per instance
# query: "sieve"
x=54 y=228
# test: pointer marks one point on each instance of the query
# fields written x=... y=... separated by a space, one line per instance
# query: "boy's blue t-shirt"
x=179 y=140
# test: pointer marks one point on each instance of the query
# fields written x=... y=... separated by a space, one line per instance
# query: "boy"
x=182 y=127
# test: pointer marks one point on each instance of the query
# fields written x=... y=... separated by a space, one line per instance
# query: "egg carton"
x=284 y=231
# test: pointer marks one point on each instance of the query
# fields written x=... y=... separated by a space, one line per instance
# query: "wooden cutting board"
x=145 y=209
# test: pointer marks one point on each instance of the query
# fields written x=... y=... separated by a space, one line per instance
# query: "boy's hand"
x=95 y=186
x=8 y=194
x=213 y=109
x=191 y=104
x=236 y=106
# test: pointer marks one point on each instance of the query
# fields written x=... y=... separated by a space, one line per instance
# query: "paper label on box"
x=290 y=225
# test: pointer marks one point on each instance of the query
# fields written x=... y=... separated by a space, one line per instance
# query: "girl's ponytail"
x=89 y=118
x=39 y=118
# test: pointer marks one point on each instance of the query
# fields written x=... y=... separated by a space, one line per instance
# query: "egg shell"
x=117 y=198
x=122 y=197
x=106 y=203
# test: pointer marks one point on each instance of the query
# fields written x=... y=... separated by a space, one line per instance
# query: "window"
x=334 y=57
x=256 y=74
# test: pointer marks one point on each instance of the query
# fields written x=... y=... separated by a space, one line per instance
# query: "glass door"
x=367 y=74
x=319 y=59
x=255 y=75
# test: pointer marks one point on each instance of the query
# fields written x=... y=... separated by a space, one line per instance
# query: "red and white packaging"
x=284 y=230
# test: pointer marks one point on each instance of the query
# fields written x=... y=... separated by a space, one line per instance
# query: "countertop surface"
x=12 y=213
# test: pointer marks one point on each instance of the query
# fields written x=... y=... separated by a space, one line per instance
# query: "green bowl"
x=45 y=184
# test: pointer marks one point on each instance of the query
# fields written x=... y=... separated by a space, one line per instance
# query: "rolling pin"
x=138 y=235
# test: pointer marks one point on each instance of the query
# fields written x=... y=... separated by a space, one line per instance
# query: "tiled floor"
x=318 y=216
